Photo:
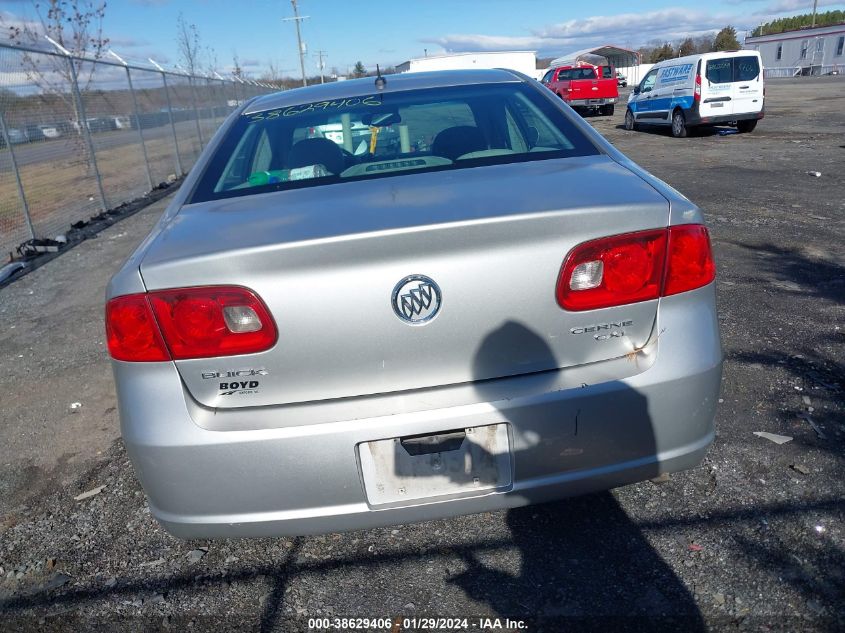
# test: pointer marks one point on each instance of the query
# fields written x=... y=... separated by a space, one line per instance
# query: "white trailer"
x=818 y=51
x=522 y=61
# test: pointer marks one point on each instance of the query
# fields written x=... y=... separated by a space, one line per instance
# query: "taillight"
x=613 y=271
x=696 y=95
x=198 y=323
x=131 y=330
x=634 y=267
x=689 y=263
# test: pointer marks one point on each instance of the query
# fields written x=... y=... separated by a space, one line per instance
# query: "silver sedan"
x=433 y=294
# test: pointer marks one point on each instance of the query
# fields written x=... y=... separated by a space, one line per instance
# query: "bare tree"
x=237 y=69
x=212 y=62
x=272 y=72
x=76 y=26
x=188 y=44
x=703 y=43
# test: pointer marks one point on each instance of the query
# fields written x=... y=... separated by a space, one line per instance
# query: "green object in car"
x=268 y=177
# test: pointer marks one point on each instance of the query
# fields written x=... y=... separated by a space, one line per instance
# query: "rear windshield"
x=383 y=135
x=730 y=69
x=583 y=73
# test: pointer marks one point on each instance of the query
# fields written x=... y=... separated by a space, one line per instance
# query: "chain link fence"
x=81 y=136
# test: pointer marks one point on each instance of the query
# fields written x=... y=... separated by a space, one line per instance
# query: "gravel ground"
x=751 y=540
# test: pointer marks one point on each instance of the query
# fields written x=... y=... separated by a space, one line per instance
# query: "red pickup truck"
x=584 y=86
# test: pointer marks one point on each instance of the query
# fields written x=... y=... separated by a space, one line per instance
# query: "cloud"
x=472 y=42
x=625 y=29
x=628 y=25
x=11 y=20
x=127 y=42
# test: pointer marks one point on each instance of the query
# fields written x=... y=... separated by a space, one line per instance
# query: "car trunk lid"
x=326 y=261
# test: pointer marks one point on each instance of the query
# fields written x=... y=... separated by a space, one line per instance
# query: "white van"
x=706 y=89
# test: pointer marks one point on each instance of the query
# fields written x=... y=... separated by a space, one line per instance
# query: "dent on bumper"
x=305 y=479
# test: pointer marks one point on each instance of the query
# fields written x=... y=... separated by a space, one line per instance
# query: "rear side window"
x=381 y=135
x=746 y=68
x=730 y=69
x=719 y=71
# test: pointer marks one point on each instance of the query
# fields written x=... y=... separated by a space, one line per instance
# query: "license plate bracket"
x=396 y=471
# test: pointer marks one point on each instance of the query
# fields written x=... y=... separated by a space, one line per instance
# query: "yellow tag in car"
x=373 y=138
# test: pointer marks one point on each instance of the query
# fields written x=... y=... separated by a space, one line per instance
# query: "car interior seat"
x=457 y=141
x=317 y=151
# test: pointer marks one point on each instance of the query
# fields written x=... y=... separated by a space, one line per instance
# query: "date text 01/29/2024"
x=417 y=623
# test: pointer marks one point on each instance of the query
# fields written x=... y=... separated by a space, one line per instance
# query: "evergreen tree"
x=662 y=52
x=726 y=40
x=800 y=21
x=359 y=70
x=687 y=47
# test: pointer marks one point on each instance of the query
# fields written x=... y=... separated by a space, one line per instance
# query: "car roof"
x=394 y=83
x=674 y=61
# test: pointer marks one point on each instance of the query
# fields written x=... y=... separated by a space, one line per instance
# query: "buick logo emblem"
x=416 y=299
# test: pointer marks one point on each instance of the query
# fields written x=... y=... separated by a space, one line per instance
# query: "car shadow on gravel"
x=693 y=132
x=820 y=379
x=818 y=374
x=817 y=570
x=811 y=276
x=585 y=564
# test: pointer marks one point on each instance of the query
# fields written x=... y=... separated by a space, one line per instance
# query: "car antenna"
x=380 y=81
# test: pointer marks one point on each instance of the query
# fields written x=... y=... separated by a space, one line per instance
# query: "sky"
x=389 y=32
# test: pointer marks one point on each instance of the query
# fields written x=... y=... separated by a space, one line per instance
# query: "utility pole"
x=815 y=7
x=296 y=19
x=320 y=57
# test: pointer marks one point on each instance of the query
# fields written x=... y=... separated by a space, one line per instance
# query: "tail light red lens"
x=633 y=267
x=690 y=260
x=631 y=270
x=196 y=323
x=132 y=332
x=696 y=95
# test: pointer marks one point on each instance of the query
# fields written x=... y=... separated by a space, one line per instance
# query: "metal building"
x=523 y=61
x=626 y=61
x=811 y=51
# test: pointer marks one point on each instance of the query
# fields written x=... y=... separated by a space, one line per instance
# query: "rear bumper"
x=694 y=118
x=566 y=439
x=583 y=103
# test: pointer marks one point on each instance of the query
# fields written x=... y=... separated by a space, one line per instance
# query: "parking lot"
x=753 y=539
